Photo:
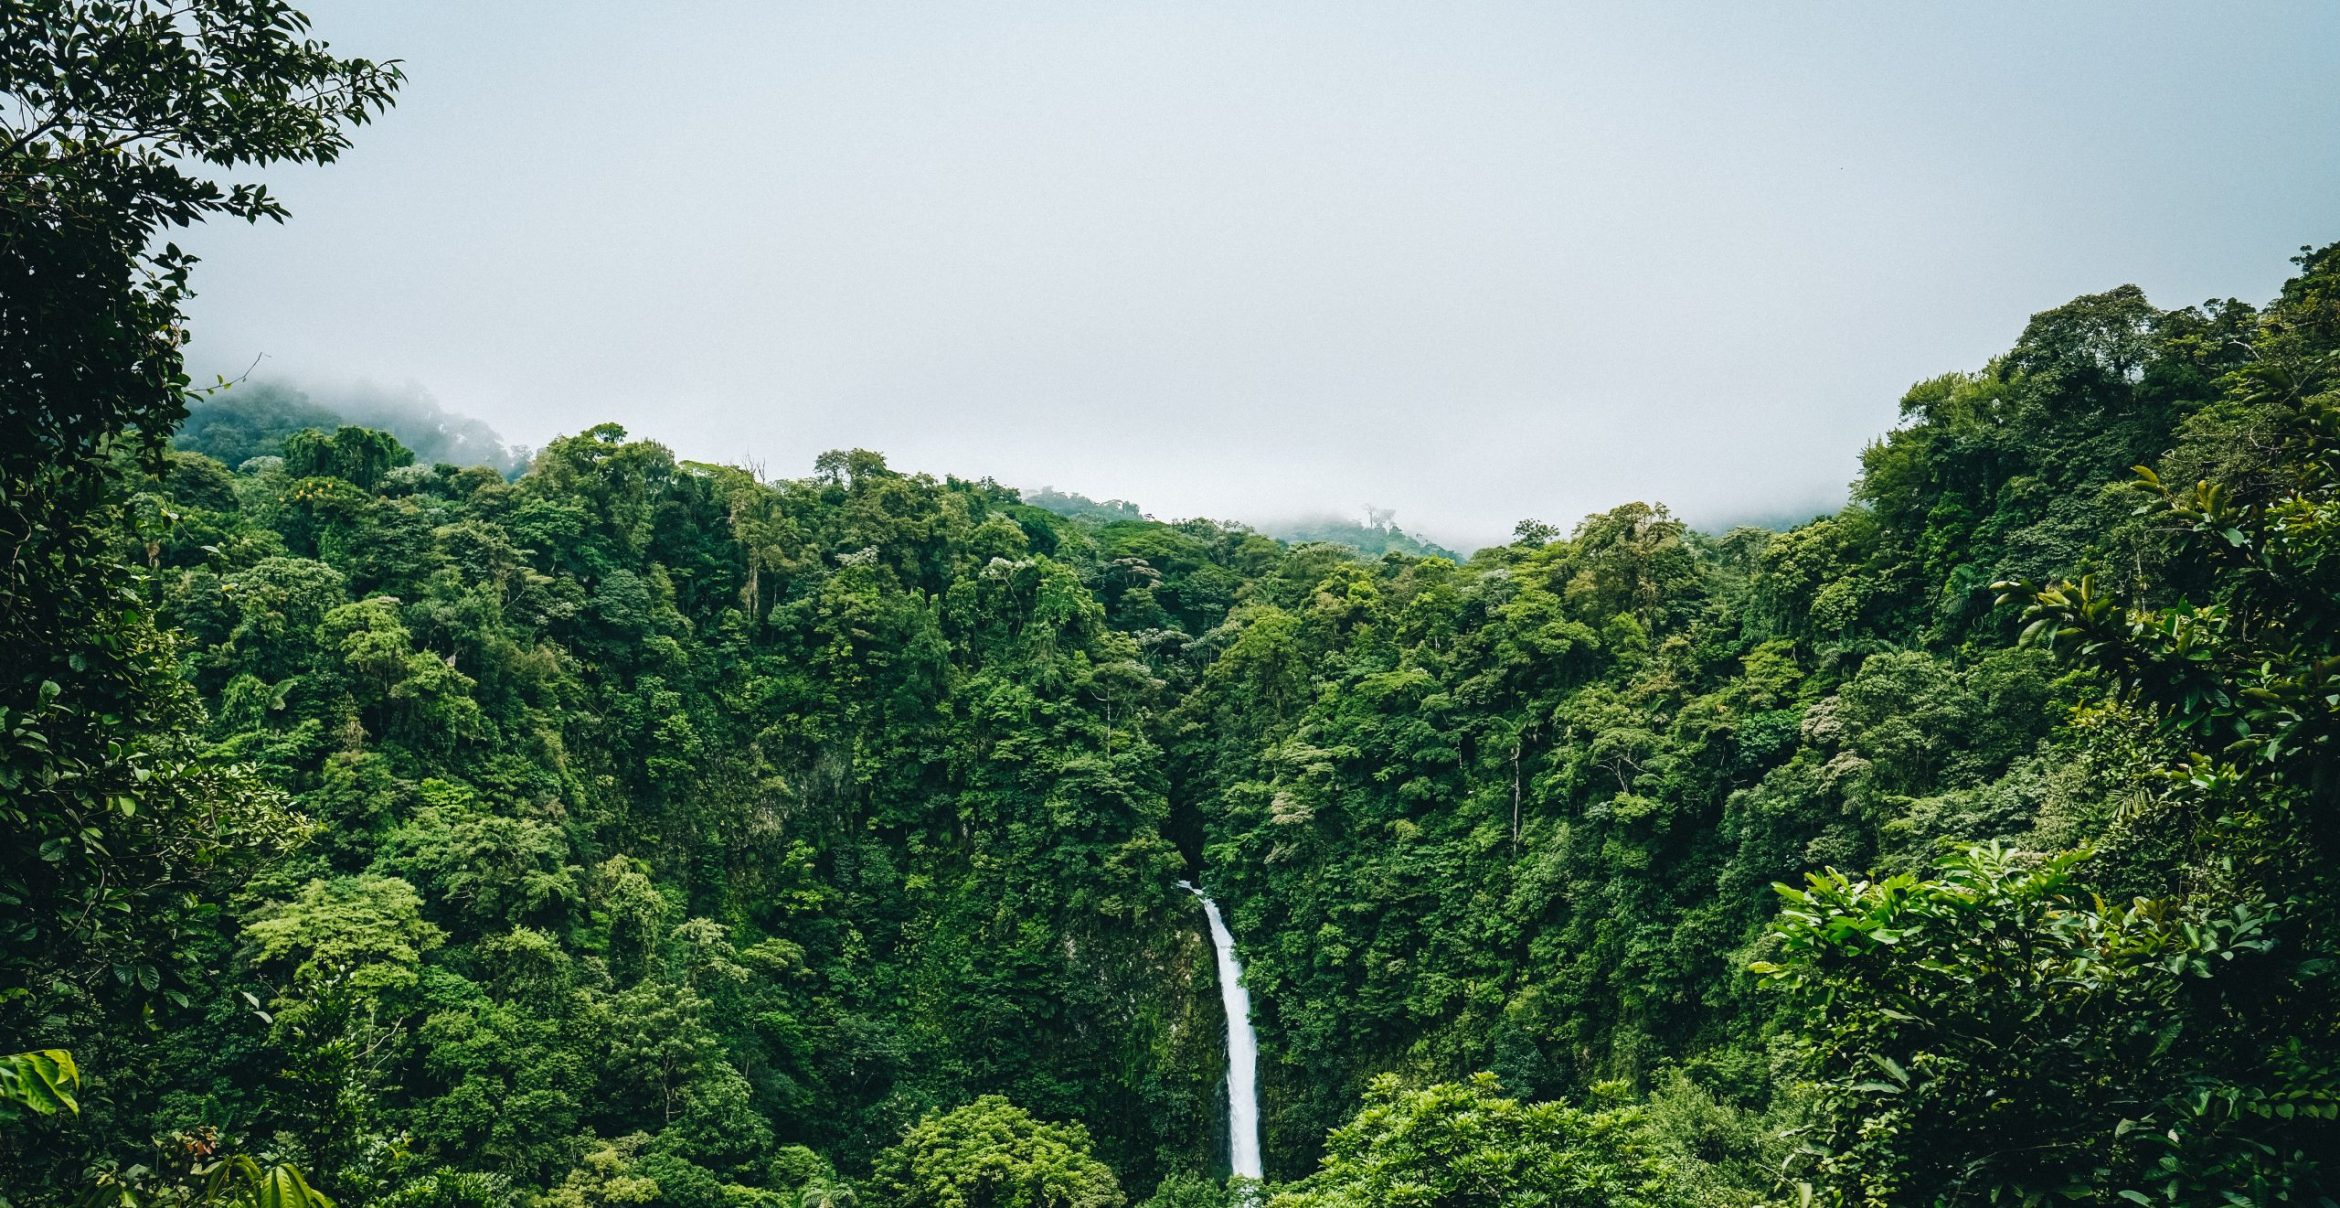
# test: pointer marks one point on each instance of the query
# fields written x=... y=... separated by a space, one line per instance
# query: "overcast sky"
x=1472 y=262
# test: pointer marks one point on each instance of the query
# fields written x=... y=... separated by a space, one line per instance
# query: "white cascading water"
x=1242 y=1046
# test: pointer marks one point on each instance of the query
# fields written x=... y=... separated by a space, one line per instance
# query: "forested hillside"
x=632 y=830
x=642 y=820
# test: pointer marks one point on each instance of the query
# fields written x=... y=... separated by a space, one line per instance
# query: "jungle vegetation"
x=386 y=828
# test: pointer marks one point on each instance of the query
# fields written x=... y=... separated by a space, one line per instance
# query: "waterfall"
x=1242 y=1046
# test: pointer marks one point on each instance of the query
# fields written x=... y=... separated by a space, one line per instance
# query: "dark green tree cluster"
x=1523 y=814
x=1464 y=1145
x=118 y=838
x=2148 y=1014
x=663 y=823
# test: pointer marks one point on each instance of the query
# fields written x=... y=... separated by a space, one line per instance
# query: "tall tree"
x=118 y=119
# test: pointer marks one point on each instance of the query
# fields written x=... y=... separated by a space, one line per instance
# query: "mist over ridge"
x=250 y=417
x=1226 y=260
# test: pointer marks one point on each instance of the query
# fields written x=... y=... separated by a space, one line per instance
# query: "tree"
x=1191 y=1191
x=992 y=1154
x=2001 y=1032
x=119 y=111
x=1996 y=1033
x=1464 y=1144
x=118 y=115
x=358 y=456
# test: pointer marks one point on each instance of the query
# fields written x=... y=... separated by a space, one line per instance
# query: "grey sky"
x=1470 y=262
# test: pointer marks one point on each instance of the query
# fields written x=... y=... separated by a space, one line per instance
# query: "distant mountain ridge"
x=252 y=420
x=1374 y=536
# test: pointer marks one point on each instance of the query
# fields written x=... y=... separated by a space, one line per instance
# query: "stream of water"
x=1242 y=1047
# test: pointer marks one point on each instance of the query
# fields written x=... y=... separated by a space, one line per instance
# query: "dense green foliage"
x=1999 y=1029
x=990 y=1154
x=635 y=831
x=674 y=828
x=694 y=806
x=1522 y=814
x=120 y=838
x=1463 y=1145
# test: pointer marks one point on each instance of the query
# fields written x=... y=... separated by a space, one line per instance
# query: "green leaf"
x=42 y=1081
x=283 y=1187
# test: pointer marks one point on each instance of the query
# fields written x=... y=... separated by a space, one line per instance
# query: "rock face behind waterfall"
x=1154 y=1010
